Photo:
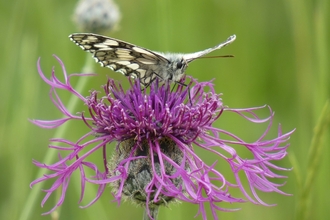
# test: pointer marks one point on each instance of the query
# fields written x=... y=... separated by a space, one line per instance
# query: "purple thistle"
x=167 y=125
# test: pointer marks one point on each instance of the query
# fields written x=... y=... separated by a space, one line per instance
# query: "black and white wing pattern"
x=121 y=56
x=138 y=62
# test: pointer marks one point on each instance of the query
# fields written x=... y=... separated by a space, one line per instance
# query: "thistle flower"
x=155 y=134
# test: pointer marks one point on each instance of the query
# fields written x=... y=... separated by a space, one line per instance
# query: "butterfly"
x=138 y=62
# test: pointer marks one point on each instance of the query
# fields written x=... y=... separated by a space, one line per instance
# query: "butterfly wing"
x=120 y=56
x=192 y=56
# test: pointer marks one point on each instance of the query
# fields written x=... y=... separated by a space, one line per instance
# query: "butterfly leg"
x=185 y=85
x=151 y=80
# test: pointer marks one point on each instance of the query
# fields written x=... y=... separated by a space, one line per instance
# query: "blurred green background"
x=281 y=59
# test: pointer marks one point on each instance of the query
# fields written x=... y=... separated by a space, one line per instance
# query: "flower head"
x=155 y=134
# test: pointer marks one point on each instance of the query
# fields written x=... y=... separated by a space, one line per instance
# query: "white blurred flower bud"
x=96 y=16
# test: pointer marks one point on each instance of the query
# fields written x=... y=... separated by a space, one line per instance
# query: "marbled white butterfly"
x=138 y=62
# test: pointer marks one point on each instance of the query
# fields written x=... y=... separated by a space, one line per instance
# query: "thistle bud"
x=96 y=16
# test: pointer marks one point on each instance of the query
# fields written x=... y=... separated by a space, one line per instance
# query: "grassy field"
x=281 y=59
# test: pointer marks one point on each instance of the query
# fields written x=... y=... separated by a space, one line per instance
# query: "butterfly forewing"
x=121 y=56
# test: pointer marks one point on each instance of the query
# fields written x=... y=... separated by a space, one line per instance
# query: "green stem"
x=315 y=158
x=153 y=211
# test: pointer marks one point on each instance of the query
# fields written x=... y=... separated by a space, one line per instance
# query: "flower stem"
x=153 y=211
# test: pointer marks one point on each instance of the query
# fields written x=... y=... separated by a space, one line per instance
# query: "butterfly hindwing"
x=120 y=56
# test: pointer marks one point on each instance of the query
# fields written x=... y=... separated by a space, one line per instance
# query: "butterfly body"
x=138 y=62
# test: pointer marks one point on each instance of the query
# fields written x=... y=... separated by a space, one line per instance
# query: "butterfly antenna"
x=221 y=56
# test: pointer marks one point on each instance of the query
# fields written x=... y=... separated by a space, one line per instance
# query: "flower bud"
x=96 y=16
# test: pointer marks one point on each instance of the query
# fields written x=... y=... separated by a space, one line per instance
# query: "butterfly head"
x=177 y=67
